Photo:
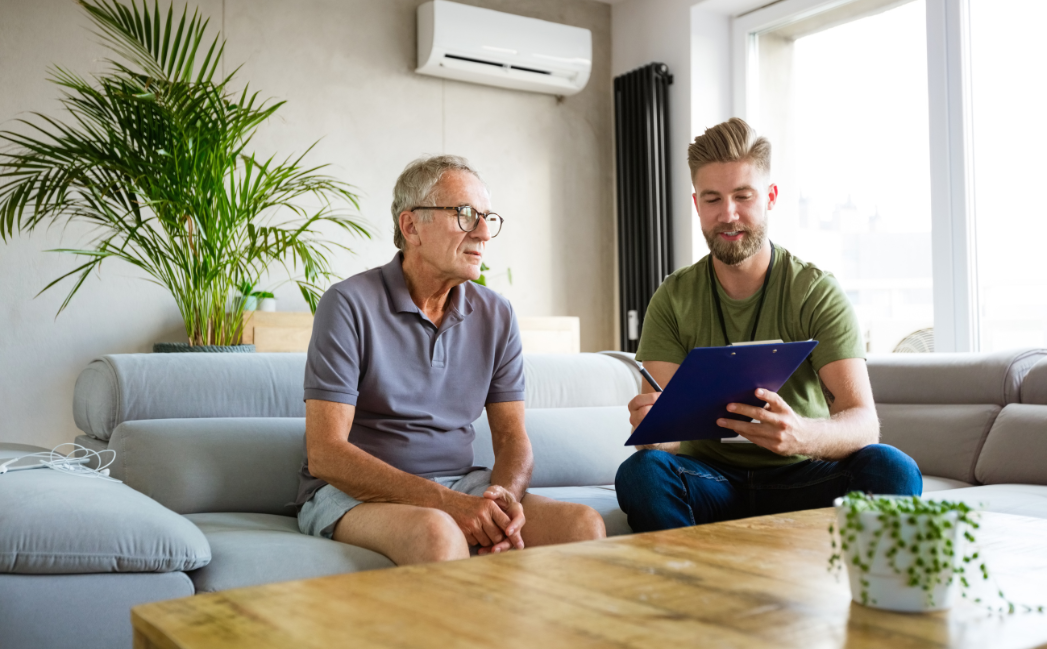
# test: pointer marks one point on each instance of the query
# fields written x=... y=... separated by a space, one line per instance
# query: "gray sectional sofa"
x=216 y=441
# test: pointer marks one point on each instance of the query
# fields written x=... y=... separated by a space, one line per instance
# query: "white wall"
x=346 y=69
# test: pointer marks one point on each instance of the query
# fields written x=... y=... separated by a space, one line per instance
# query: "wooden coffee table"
x=758 y=582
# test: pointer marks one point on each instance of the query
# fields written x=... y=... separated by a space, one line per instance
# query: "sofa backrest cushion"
x=135 y=387
x=1016 y=448
x=55 y=523
x=138 y=387
x=578 y=381
x=1034 y=386
x=232 y=464
x=961 y=378
x=944 y=440
x=251 y=464
x=573 y=447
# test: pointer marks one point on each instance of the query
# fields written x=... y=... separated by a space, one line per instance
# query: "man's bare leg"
x=405 y=533
x=551 y=521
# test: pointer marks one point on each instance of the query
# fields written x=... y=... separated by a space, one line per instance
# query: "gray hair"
x=415 y=187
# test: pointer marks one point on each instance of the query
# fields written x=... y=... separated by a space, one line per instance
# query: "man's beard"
x=735 y=252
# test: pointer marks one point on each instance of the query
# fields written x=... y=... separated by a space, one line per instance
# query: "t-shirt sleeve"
x=660 y=336
x=507 y=383
x=332 y=367
x=828 y=317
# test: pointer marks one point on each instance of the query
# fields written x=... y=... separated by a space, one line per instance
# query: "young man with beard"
x=816 y=438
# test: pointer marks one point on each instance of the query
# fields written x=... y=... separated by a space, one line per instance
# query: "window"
x=1009 y=163
x=843 y=96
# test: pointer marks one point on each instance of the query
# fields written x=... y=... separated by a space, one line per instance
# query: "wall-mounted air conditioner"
x=466 y=43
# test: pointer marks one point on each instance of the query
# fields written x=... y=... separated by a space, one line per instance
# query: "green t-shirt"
x=803 y=302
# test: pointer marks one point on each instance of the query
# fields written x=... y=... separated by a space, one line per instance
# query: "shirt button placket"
x=438 y=359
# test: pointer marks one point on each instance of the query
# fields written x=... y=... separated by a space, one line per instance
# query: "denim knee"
x=641 y=474
x=882 y=469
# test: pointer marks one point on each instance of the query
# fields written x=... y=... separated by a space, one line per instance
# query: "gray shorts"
x=322 y=512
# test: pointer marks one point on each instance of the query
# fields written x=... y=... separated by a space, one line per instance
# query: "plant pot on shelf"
x=267 y=304
x=884 y=571
x=178 y=348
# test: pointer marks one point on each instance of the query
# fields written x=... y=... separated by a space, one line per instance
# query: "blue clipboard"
x=708 y=380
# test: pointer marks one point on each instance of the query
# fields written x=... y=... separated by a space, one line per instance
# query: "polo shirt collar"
x=393 y=275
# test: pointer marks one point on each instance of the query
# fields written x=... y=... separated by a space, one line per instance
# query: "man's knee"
x=883 y=469
x=437 y=537
x=643 y=470
x=585 y=524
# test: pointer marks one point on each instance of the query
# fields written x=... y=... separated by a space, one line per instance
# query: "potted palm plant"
x=155 y=156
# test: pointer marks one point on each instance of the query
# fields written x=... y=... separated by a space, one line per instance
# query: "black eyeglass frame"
x=458 y=212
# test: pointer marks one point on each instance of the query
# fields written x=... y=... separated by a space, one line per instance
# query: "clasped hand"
x=493 y=522
x=779 y=428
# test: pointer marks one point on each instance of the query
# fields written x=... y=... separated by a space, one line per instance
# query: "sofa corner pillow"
x=55 y=523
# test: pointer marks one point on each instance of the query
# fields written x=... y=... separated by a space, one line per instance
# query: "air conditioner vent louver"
x=493 y=63
x=478 y=45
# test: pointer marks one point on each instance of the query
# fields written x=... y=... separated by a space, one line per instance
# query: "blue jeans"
x=659 y=491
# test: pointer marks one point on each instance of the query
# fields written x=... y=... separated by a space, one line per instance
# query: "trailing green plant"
x=931 y=556
x=154 y=157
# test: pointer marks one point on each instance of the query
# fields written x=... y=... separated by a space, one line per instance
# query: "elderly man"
x=402 y=360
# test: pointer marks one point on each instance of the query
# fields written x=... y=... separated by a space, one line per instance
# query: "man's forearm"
x=370 y=480
x=842 y=434
x=513 y=465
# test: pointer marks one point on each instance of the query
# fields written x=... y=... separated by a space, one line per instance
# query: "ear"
x=409 y=228
x=694 y=199
x=772 y=196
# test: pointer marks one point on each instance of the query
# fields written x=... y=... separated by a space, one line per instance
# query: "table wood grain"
x=758 y=582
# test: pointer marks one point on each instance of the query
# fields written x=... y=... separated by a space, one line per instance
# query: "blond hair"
x=415 y=186
x=731 y=141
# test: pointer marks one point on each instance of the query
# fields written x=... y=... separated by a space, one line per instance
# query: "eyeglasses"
x=469 y=218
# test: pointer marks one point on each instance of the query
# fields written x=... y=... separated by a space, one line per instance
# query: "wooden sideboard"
x=288 y=331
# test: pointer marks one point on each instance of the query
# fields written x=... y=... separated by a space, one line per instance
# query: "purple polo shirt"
x=417 y=388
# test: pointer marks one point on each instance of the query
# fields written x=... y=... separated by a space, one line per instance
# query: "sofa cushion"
x=213 y=465
x=944 y=440
x=961 y=378
x=1016 y=449
x=934 y=483
x=1020 y=499
x=252 y=549
x=131 y=387
x=1034 y=386
x=578 y=380
x=572 y=446
x=51 y=523
x=603 y=499
x=79 y=611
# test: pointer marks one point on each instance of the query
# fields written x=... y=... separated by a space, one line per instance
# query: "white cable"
x=66 y=463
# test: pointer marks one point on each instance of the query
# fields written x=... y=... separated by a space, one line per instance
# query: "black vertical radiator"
x=645 y=257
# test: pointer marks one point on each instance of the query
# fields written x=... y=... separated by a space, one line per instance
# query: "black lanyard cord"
x=759 y=307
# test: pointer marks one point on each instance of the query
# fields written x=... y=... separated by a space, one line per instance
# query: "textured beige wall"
x=346 y=69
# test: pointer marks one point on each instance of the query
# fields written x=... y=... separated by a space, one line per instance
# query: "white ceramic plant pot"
x=267 y=304
x=886 y=588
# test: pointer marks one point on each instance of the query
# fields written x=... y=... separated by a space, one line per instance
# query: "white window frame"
x=949 y=114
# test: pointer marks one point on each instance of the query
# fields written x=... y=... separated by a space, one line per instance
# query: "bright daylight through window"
x=1009 y=164
x=843 y=97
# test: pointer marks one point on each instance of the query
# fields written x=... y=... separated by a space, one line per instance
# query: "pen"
x=650 y=379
